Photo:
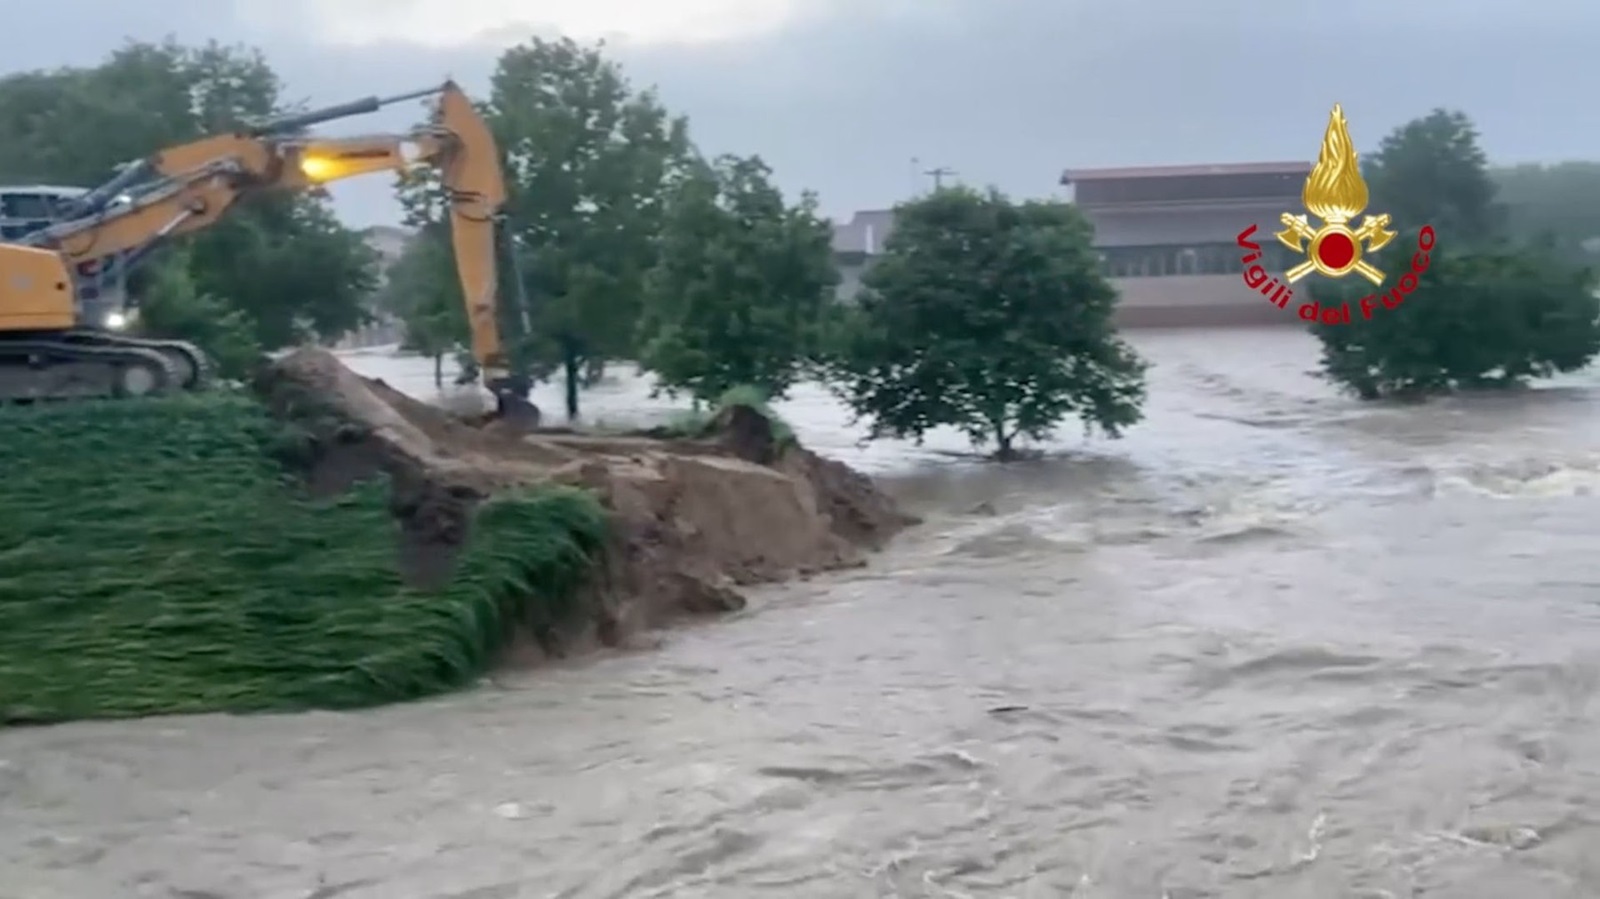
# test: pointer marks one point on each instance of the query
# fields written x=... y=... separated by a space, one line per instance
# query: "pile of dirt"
x=693 y=520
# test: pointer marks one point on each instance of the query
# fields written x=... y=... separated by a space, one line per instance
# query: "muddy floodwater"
x=1272 y=644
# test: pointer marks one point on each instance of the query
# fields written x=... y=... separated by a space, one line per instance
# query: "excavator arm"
x=186 y=188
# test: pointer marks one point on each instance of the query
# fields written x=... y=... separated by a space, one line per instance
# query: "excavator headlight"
x=116 y=321
x=318 y=168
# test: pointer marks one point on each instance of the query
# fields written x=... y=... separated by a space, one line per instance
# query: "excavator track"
x=75 y=367
x=189 y=363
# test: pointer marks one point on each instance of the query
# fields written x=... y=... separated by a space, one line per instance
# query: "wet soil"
x=694 y=519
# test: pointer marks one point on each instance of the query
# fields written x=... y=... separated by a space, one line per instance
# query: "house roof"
x=864 y=233
x=1075 y=176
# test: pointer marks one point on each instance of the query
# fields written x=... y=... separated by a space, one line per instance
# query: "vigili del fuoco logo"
x=1336 y=193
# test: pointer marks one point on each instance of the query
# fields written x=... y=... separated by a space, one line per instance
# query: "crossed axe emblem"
x=1334 y=250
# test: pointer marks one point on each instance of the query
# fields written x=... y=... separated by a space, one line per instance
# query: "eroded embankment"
x=157 y=558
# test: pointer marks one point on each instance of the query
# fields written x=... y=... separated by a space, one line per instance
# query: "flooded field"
x=1274 y=644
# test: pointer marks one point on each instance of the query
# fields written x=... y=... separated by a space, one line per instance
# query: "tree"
x=740 y=286
x=589 y=162
x=291 y=268
x=989 y=316
x=423 y=292
x=1480 y=312
x=1482 y=320
x=1431 y=171
x=283 y=262
x=174 y=307
x=1556 y=206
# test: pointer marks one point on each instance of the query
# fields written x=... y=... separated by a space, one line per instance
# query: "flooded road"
x=1273 y=644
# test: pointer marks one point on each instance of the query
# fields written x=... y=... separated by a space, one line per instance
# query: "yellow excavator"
x=59 y=338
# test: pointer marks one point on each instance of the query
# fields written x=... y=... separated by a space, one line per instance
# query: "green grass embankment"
x=154 y=558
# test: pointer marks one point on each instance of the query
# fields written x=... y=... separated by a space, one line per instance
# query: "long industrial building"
x=1166 y=235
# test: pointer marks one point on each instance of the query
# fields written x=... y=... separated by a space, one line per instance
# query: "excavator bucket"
x=512 y=407
x=516 y=412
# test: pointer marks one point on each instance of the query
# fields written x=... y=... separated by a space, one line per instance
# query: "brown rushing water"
x=1274 y=644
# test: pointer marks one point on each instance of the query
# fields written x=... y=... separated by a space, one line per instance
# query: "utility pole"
x=938 y=175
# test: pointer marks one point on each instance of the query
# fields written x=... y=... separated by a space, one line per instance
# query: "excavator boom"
x=186 y=188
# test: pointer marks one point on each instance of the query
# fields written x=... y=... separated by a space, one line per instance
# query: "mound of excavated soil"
x=693 y=520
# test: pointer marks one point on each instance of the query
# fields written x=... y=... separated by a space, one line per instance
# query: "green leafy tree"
x=989 y=316
x=1555 y=206
x=423 y=292
x=289 y=265
x=1475 y=320
x=174 y=307
x=1482 y=312
x=740 y=287
x=1431 y=171
x=282 y=261
x=589 y=162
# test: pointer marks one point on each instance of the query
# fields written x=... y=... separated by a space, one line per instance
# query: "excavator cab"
x=65 y=318
x=101 y=283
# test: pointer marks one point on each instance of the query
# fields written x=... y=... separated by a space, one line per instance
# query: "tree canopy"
x=589 y=164
x=1556 y=206
x=989 y=316
x=1431 y=171
x=284 y=263
x=1488 y=319
x=422 y=292
x=740 y=287
x=1488 y=306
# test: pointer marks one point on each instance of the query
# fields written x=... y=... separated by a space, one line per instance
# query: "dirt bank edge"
x=691 y=520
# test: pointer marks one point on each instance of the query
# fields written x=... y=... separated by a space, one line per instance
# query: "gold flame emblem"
x=1336 y=193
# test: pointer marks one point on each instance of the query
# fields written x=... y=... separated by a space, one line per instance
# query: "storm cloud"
x=839 y=97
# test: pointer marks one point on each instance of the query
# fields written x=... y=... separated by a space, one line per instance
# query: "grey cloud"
x=1008 y=92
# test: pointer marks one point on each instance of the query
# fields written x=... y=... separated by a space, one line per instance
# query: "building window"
x=1200 y=259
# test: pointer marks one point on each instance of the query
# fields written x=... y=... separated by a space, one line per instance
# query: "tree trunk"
x=574 y=372
x=438 y=370
x=1004 y=452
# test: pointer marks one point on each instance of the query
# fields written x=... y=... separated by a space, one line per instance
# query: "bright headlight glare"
x=317 y=168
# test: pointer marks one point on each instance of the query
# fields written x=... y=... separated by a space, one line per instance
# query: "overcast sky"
x=840 y=96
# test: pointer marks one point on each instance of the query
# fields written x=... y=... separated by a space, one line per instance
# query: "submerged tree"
x=1463 y=308
x=989 y=316
x=1479 y=320
x=738 y=292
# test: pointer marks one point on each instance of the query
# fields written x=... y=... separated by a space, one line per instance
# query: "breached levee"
x=157 y=560
x=691 y=519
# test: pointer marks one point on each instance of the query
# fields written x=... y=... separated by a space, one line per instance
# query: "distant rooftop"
x=387 y=241
x=864 y=233
x=1075 y=176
